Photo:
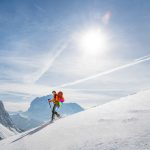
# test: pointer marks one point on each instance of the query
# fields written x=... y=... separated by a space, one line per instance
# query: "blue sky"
x=40 y=50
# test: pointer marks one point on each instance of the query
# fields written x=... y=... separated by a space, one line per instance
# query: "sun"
x=92 y=41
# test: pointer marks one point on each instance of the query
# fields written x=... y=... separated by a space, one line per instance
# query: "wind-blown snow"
x=123 y=124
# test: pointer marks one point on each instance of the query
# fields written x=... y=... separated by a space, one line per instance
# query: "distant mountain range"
x=24 y=123
x=39 y=112
x=40 y=109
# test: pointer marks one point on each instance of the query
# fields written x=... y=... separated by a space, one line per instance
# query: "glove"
x=49 y=100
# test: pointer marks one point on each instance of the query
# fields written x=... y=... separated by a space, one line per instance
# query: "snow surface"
x=5 y=132
x=123 y=124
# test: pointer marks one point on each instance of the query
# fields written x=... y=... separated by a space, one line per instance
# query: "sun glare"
x=92 y=41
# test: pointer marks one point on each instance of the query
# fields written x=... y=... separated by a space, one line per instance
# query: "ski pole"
x=49 y=104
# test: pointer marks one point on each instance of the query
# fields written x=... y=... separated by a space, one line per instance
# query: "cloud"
x=30 y=89
x=39 y=8
x=21 y=68
x=48 y=63
x=142 y=57
x=16 y=106
x=105 y=72
x=16 y=68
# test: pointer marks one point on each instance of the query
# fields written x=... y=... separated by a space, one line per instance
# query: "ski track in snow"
x=119 y=125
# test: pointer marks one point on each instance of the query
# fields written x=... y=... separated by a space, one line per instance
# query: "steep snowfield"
x=123 y=124
x=5 y=132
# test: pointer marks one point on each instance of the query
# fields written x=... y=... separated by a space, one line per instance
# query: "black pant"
x=54 y=112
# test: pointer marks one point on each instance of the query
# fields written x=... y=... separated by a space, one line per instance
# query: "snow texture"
x=123 y=124
x=6 y=124
x=5 y=132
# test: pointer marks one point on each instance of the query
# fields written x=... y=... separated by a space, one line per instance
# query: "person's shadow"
x=33 y=131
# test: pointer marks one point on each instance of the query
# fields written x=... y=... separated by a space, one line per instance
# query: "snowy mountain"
x=5 y=132
x=24 y=123
x=6 y=124
x=5 y=119
x=40 y=109
x=123 y=124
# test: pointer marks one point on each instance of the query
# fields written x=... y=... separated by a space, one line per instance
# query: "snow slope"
x=5 y=132
x=123 y=124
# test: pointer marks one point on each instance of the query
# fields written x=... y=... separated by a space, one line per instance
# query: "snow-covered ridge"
x=5 y=132
x=119 y=125
x=7 y=126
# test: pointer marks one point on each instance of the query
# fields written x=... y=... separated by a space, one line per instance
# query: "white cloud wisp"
x=138 y=61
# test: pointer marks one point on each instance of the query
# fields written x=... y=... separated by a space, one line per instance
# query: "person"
x=58 y=100
x=53 y=94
